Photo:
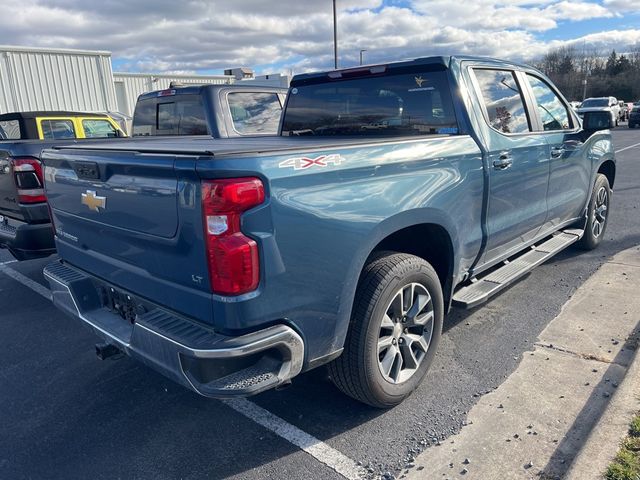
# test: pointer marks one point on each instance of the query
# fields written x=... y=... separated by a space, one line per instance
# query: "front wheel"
x=395 y=328
x=597 y=214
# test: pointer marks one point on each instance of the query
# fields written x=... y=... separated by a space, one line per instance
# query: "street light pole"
x=335 y=36
x=361 y=52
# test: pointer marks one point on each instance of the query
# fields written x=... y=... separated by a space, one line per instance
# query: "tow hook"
x=106 y=350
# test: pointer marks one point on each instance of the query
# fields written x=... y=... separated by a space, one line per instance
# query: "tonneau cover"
x=204 y=145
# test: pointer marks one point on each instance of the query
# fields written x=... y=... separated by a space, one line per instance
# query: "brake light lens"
x=233 y=259
x=27 y=173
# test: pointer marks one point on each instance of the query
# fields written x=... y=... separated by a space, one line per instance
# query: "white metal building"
x=61 y=79
x=46 y=79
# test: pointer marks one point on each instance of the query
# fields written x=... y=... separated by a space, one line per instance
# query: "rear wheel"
x=597 y=214
x=395 y=329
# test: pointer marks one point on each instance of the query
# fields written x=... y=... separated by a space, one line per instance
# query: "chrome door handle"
x=503 y=162
x=557 y=152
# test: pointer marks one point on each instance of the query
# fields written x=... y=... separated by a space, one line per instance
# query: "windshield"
x=394 y=104
x=595 y=102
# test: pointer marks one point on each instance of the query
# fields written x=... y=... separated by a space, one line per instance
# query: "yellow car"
x=58 y=126
x=54 y=126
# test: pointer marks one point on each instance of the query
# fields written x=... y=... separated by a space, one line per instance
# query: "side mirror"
x=593 y=121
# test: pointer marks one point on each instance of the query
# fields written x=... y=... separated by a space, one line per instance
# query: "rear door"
x=518 y=165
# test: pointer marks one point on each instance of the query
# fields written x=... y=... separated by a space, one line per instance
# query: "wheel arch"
x=390 y=235
x=608 y=169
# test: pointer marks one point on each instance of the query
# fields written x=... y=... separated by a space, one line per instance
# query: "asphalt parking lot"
x=66 y=414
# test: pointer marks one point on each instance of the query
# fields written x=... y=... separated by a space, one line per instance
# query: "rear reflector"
x=27 y=174
x=233 y=260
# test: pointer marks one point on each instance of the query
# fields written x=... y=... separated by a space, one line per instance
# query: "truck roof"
x=47 y=113
x=443 y=61
x=197 y=89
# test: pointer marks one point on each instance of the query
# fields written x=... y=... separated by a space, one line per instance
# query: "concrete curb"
x=604 y=440
x=564 y=410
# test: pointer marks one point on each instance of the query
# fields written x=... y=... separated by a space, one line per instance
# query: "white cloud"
x=170 y=35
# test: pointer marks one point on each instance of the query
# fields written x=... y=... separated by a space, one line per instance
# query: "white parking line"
x=627 y=148
x=310 y=444
x=27 y=282
x=8 y=262
x=319 y=450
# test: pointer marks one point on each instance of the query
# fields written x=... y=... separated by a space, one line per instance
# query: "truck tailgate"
x=135 y=192
x=132 y=219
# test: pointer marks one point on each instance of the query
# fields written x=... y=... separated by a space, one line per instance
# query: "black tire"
x=358 y=371
x=597 y=218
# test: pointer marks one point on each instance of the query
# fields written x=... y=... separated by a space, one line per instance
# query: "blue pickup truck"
x=392 y=193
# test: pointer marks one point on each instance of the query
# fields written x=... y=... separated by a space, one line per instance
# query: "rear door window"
x=10 y=130
x=553 y=113
x=255 y=113
x=57 y=129
x=394 y=104
x=503 y=100
x=98 y=129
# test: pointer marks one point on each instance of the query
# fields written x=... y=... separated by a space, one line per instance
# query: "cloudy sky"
x=206 y=36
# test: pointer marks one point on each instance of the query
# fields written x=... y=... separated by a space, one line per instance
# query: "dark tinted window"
x=10 y=130
x=255 y=113
x=54 y=129
x=503 y=100
x=98 y=129
x=394 y=104
x=595 y=102
x=552 y=111
x=175 y=115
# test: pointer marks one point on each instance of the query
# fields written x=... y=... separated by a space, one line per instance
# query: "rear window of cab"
x=174 y=115
x=394 y=104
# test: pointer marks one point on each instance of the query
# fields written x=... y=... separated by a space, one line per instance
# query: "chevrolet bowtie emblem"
x=94 y=201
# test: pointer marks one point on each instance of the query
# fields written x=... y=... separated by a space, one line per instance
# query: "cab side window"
x=553 y=112
x=55 y=129
x=503 y=100
x=255 y=113
x=98 y=129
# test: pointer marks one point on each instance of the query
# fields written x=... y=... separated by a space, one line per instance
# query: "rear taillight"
x=27 y=173
x=234 y=264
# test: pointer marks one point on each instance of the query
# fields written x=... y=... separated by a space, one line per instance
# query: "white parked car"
x=599 y=104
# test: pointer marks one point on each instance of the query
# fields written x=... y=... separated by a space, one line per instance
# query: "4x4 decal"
x=302 y=163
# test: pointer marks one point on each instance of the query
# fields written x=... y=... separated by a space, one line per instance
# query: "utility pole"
x=361 y=52
x=335 y=36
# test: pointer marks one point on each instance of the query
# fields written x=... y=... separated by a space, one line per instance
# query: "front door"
x=570 y=171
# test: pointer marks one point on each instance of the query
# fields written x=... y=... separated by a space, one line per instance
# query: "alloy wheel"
x=405 y=333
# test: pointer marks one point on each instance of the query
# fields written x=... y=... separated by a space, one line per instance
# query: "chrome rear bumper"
x=190 y=353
